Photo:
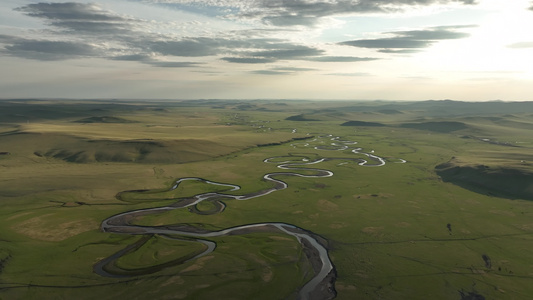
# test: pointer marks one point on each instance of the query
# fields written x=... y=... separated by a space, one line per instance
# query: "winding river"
x=321 y=286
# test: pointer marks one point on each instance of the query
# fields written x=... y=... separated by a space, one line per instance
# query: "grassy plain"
x=400 y=231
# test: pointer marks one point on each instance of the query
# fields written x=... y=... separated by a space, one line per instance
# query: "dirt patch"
x=374 y=231
x=337 y=225
x=173 y=280
x=325 y=205
x=502 y=213
x=18 y=215
x=528 y=227
x=266 y=271
x=313 y=216
x=280 y=238
x=40 y=228
x=403 y=224
x=199 y=264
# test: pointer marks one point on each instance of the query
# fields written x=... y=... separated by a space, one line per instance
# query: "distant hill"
x=300 y=117
x=438 y=108
x=363 y=123
x=390 y=111
x=77 y=150
x=104 y=119
x=501 y=182
x=443 y=127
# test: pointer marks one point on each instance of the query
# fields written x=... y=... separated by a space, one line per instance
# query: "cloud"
x=398 y=42
x=242 y=50
x=306 y=12
x=248 y=60
x=187 y=47
x=293 y=69
x=296 y=52
x=272 y=52
x=521 y=45
x=149 y=60
x=94 y=27
x=68 y=11
x=411 y=40
x=120 y=38
x=173 y=64
x=132 y=57
x=9 y=38
x=309 y=12
x=341 y=59
x=87 y=30
x=400 y=51
x=78 y=17
x=290 y=20
x=271 y=72
x=282 y=71
x=51 y=50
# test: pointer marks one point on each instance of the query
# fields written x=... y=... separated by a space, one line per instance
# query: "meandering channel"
x=321 y=286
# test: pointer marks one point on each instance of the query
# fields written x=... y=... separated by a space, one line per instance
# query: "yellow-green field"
x=452 y=222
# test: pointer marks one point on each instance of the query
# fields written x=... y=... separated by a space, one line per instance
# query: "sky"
x=470 y=50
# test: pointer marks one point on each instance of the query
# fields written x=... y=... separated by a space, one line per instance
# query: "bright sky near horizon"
x=268 y=49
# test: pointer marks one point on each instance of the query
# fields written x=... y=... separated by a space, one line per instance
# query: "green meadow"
x=449 y=216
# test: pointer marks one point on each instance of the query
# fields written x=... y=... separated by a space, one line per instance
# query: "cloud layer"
x=78 y=30
x=409 y=41
x=306 y=12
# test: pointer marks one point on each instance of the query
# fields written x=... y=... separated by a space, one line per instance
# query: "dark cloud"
x=51 y=50
x=79 y=18
x=411 y=40
x=94 y=25
x=145 y=59
x=248 y=51
x=341 y=59
x=68 y=11
x=9 y=39
x=432 y=34
x=282 y=71
x=96 y=32
x=399 y=51
x=131 y=57
x=293 y=69
x=188 y=47
x=249 y=60
x=290 y=20
x=399 y=42
x=309 y=12
x=296 y=52
x=173 y=64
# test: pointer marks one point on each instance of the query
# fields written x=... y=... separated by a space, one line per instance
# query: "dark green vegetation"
x=362 y=123
x=453 y=222
x=500 y=181
x=104 y=119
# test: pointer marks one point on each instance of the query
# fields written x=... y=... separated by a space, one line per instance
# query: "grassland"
x=450 y=223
